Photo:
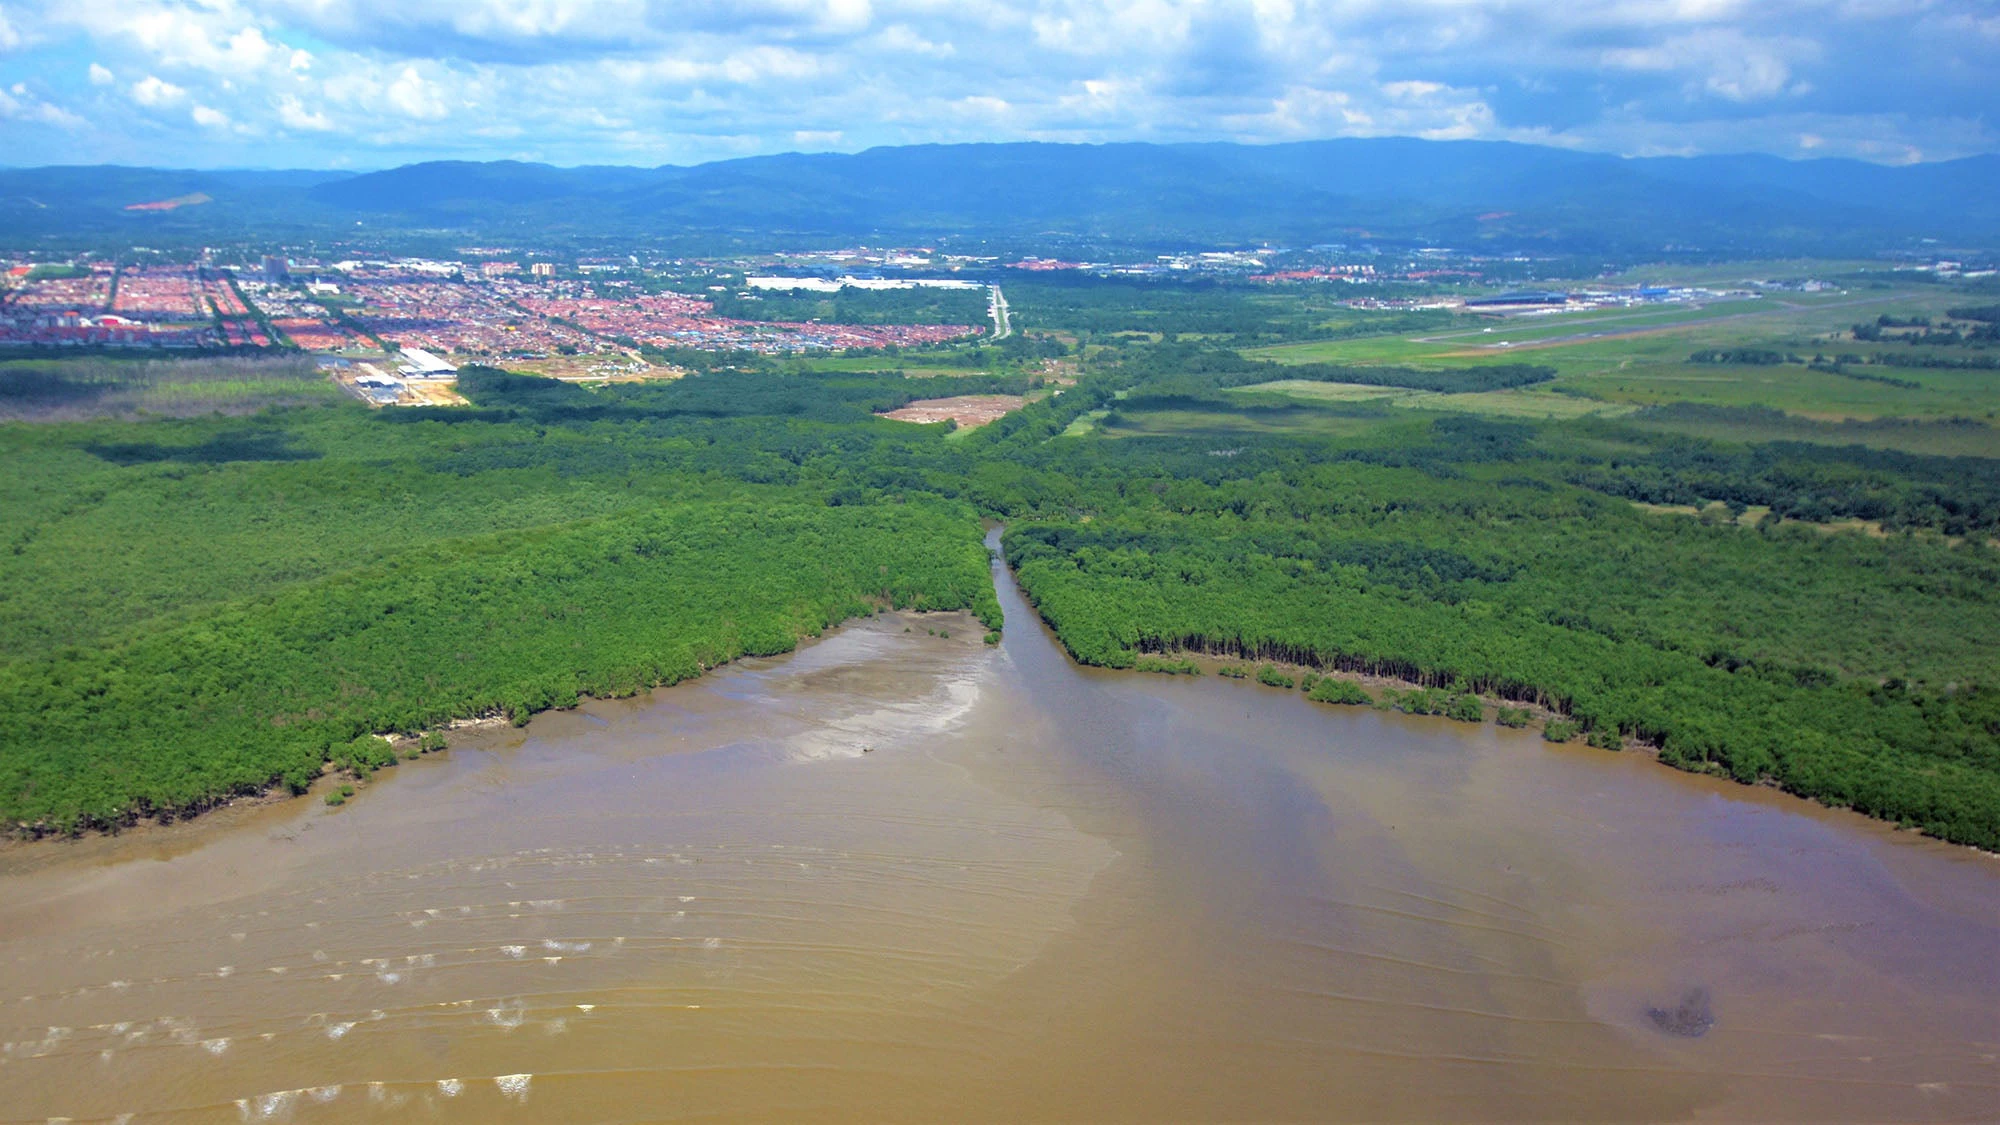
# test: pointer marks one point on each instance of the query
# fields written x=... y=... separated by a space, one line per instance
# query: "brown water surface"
x=902 y=877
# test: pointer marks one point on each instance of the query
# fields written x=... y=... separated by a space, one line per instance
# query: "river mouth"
x=905 y=876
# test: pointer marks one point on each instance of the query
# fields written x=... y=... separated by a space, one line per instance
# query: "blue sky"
x=372 y=83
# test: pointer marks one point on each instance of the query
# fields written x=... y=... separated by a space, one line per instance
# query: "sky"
x=375 y=83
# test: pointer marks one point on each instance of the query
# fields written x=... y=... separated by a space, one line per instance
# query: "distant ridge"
x=1463 y=193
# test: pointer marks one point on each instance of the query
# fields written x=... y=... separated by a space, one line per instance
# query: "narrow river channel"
x=904 y=876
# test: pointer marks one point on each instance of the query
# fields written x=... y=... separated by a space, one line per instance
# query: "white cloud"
x=293 y=114
x=100 y=76
x=985 y=106
x=18 y=103
x=216 y=36
x=901 y=37
x=1404 y=108
x=413 y=96
x=208 y=118
x=153 y=92
x=1751 y=77
x=1723 y=62
x=1412 y=91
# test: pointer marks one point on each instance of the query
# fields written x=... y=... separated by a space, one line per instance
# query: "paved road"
x=1003 y=325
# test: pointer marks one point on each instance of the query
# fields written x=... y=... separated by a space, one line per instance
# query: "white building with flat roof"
x=825 y=285
x=420 y=364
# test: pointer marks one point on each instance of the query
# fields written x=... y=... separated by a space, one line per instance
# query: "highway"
x=1003 y=326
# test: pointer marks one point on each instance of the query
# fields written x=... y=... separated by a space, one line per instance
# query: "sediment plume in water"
x=1042 y=893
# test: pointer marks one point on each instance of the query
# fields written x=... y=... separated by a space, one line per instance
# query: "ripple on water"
x=268 y=1107
x=514 y=1086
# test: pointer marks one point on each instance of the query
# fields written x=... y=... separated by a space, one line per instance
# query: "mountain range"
x=1468 y=194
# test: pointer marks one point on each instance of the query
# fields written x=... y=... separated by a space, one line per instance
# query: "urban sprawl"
x=440 y=307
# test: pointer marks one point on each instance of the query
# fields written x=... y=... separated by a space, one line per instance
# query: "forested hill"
x=1465 y=193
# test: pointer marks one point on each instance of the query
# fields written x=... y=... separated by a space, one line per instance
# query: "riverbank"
x=406 y=746
x=1387 y=693
x=1871 y=772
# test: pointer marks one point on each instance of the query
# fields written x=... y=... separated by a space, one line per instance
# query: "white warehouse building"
x=420 y=364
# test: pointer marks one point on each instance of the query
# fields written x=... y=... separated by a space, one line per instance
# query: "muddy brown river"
x=897 y=876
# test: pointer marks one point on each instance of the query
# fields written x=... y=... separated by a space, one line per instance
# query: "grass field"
x=1083 y=424
x=1817 y=395
x=1962 y=437
x=1616 y=361
x=1544 y=329
x=1586 y=338
x=1315 y=391
x=71 y=389
x=1522 y=402
x=1304 y=420
x=1366 y=349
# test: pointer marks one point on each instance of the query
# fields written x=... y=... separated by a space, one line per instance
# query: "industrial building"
x=420 y=364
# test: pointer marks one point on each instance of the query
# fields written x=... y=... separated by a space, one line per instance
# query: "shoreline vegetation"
x=1453 y=702
x=1361 y=689
x=286 y=688
x=349 y=769
x=1413 y=689
x=368 y=754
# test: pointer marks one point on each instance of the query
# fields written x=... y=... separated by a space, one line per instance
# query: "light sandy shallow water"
x=1044 y=893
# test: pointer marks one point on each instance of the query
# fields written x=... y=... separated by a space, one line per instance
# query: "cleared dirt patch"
x=966 y=410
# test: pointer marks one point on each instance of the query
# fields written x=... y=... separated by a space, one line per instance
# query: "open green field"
x=1520 y=402
x=1084 y=423
x=1302 y=420
x=1550 y=328
x=1369 y=349
x=1949 y=437
x=132 y=387
x=1587 y=338
x=1819 y=395
x=1316 y=391
x=1619 y=360
x=1523 y=402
